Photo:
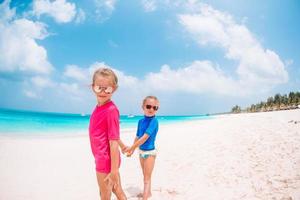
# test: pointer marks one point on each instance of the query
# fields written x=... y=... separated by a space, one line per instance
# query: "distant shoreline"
x=23 y=123
x=88 y=114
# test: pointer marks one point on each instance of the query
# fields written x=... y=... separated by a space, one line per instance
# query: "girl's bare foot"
x=140 y=195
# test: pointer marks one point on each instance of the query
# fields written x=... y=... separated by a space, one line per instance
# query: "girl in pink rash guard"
x=104 y=132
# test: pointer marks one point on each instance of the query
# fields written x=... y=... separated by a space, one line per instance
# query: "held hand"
x=125 y=149
x=130 y=151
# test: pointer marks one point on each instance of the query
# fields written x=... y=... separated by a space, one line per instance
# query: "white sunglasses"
x=98 y=89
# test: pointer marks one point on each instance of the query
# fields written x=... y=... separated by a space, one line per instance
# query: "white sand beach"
x=238 y=156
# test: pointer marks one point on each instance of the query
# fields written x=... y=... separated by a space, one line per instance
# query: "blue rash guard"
x=149 y=126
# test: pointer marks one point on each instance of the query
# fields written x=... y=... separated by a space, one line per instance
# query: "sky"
x=197 y=57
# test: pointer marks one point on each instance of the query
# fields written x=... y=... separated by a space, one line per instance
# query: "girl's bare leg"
x=140 y=195
x=118 y=191
x=142 y=161
x=105 y=187
x=147 y=166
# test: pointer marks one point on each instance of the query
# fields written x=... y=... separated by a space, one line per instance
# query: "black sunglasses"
x=154 y=107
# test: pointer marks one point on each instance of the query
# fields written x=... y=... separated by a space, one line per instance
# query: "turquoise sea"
x=19 y=122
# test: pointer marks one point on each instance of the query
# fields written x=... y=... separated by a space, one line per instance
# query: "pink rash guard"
x=104 y=126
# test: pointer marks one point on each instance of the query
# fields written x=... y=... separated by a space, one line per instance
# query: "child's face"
x=103 y=88
x=150 y=107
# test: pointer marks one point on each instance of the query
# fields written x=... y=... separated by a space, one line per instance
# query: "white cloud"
x=19 y=50
x=34 y=87
x=149 y=5
x=82 y=75
x=104 y=9
x=41 y=82
x=61 y=10
x=110 y=4
x=97 y=65
x=6 y=14
x=80 y=17
x=199 y=77
x=78 y=87
x=124 y=80
x=21 y=55
x=76 y=73
x=30 y=94
x=186 y=5
x=258 y=67
x=72 y=88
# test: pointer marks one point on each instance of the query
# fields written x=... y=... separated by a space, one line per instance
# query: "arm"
x=122 y=146
x=113 y=134
x=114 y=155
x=137 y=142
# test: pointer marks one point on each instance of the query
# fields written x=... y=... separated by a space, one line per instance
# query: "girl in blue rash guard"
x=145 y=140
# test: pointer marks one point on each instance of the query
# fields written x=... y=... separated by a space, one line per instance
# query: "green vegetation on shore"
x=278 y=102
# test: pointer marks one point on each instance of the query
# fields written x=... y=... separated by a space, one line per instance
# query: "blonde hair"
x=106 y=72
x=150 y=97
